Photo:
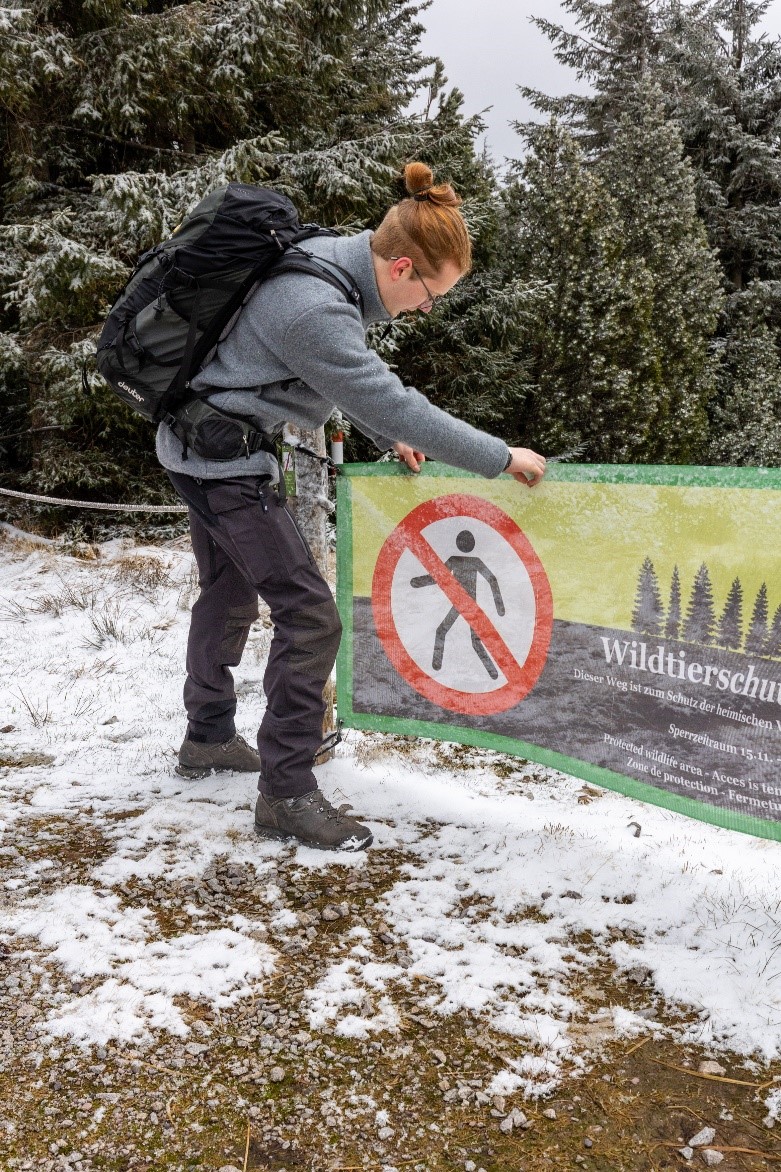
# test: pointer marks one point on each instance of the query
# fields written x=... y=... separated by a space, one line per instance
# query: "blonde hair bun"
x=419 y=184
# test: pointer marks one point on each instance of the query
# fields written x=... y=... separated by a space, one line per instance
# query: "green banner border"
x=712 y=477
x=682 y=475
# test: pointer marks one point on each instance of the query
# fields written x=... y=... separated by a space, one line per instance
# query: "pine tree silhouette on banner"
x=672 y=628
x=700 y=617
x=756 y=638
x=648 y=615
x=730 y=630
x=773 y=644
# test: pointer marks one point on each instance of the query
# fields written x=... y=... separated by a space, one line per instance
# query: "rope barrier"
x=54 y=500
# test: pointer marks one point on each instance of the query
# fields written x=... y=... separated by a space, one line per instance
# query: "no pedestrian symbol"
x=462 y=605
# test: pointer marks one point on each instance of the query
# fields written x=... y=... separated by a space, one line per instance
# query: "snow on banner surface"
x=622 y=623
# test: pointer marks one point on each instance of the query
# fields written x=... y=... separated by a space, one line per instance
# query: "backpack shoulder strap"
x=298 y=260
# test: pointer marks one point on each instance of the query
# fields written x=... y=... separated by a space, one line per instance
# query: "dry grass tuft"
x=143 y=572
x=40 y=714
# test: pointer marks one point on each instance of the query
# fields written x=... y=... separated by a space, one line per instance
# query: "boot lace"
x=233 y=743
x=337 y=813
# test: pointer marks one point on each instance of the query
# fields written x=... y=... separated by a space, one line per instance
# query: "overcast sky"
x=489 y=48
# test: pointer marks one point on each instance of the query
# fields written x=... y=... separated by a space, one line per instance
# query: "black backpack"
x=183 y=299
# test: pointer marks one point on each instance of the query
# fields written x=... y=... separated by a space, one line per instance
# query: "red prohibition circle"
x=520 y=678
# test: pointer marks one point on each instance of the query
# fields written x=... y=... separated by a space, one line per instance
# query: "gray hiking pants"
x=247 y=544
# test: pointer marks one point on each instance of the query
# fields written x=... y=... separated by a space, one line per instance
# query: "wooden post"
x=310 y=507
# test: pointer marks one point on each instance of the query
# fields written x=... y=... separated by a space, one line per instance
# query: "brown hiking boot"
x=312 y=820
x=198 y=760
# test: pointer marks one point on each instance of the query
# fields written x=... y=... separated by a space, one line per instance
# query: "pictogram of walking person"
x=465 y=570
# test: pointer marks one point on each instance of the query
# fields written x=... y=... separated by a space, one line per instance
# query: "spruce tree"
x=648 y=614
x=727 y=76
x=730 y=628
x=757 y=634
x=614 y=47
x=672 y=628
x=621 y=292
x=653 y=188
x=579 y=297
x=745 y=412
x=773 y=644
x=700 y=617
x=726 y=105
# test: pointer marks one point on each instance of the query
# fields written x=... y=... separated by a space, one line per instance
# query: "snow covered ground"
x=515 y=884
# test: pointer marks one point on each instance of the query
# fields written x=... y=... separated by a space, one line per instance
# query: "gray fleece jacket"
x=298 y=350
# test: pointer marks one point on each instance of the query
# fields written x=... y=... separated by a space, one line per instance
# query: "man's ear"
x=400 y=266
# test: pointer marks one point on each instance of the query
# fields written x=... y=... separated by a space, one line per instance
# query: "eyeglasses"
x=431 y=298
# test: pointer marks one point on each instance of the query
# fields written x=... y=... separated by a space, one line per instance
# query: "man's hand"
x=410 y=457
x=526 y=466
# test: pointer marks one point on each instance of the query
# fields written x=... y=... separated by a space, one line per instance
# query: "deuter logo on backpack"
x=185 y=296
x=126 y=387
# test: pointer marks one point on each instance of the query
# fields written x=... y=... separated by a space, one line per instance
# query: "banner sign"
x=621 y=623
